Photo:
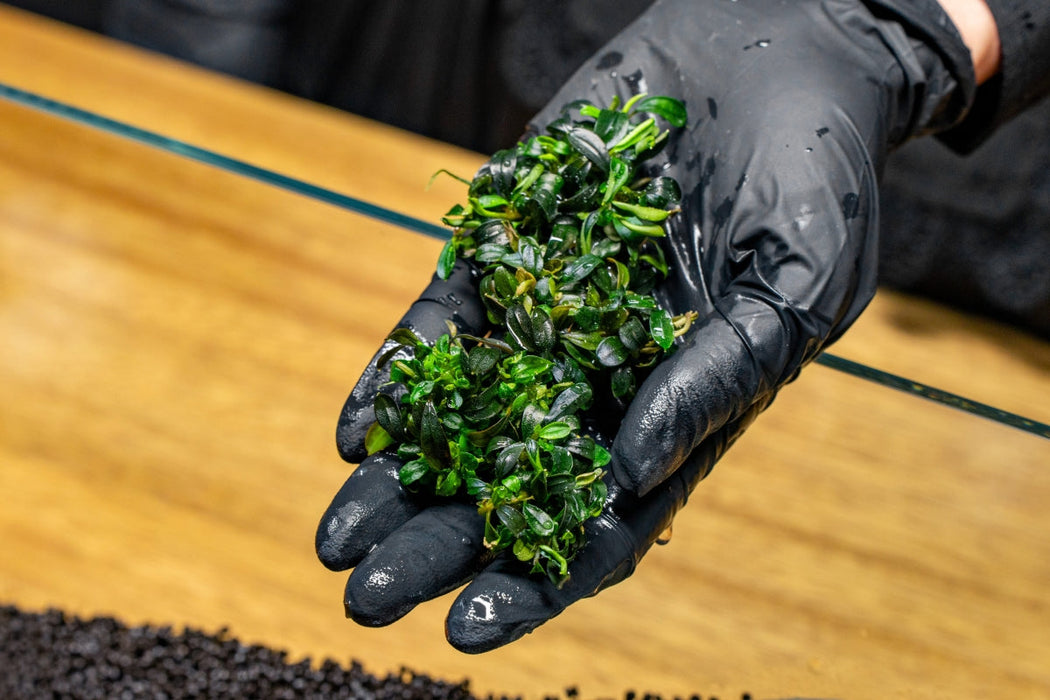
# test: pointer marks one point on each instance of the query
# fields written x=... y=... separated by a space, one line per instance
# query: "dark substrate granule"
x=55 y=656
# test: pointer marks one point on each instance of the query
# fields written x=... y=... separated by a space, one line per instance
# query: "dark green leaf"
x=495 y=231
x=432 y=438
x=490 y=252
x=404 y=336
x=662 y=192
x=584 y=199
x=606 y=248
x=561 y=461
x=611 y=125
x=622 y=382
x=587 y=341
x=543 y=333
x=559 y=484
x=538 y=520
x=563 y=235
x=510 y=517
x=531 y=258
x=519 y=328
x=388 y=415
x=579 y=269
x=507 y=460
x=531 y=418
x=632 y=334
x=413 y=471
x=570 y=401
x=611 y=352
x=421 y=390
x=586 y=319
x=502 y=165
x=544 y=195
x=590 y=146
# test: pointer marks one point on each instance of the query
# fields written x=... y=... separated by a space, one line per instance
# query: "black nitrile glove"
x=793 y=107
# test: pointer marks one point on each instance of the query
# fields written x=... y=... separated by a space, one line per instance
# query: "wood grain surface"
x=176 y=343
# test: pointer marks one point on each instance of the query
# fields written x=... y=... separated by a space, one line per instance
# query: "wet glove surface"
x=793 y=108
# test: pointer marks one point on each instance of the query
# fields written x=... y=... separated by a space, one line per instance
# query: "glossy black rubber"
x=793 y=107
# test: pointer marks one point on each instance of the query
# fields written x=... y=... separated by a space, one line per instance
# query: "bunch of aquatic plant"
x=564 y=229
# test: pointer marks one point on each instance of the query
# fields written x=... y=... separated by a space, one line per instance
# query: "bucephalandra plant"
x=564 y=230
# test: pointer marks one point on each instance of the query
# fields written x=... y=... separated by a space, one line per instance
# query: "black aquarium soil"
x=56 y=656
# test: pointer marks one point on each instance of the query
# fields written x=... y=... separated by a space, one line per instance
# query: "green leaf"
x=413 y=471
x=481 y=360
x=587 y=341
x=377 y=439
x=554 y=431
x=538 y=520
x=529 y=368
x=590 y=146
x=636 y=225
x=421 y=390
x=446 y=260
x=611 y=352
x=644 y=213
x=447 y=483
x=661 y=328
x=669 y=108
x=619 y=174
x=523 y=551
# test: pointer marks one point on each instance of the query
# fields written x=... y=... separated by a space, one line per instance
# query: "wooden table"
x=176 y=342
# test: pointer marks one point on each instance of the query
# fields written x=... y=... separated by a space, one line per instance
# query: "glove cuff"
x=927 y=22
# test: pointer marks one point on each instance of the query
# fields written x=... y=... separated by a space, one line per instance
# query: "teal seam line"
x=933 y=394
x=233 y=165
x=394 y=218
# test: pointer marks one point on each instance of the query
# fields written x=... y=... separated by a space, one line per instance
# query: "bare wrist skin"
x=977 y=26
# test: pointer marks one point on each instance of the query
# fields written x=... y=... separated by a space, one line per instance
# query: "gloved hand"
x=793 y=107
